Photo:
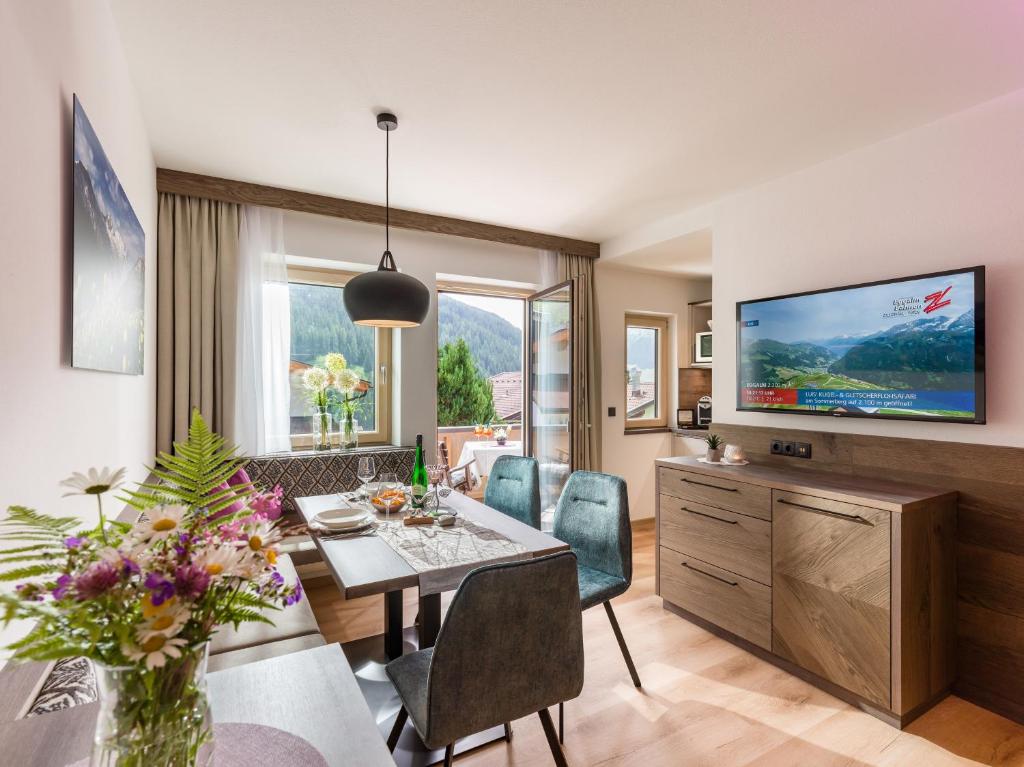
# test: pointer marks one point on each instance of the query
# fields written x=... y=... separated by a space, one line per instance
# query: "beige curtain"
x=197 y=258
x=586 y=346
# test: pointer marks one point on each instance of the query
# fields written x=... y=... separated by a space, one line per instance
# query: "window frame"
x=661 y=325
x=337 y=278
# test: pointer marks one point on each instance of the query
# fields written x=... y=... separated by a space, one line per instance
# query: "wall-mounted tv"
x=910 y=348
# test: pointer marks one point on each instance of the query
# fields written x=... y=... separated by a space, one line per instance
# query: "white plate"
x=330 y=531
x=722 y=462
x=341 y=519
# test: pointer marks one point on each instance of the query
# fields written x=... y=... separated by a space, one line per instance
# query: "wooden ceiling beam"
x=245 y=193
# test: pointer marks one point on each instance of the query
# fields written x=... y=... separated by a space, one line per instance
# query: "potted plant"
x=142 y=600
x=501 y=435
x=715 y=447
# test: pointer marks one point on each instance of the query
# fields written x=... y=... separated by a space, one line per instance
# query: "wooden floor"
x=704 y=701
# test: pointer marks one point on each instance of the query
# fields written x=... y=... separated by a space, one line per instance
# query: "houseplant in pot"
x=142 y=600
x=715 y=448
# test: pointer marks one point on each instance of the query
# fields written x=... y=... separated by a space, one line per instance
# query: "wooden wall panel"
x=989 y=536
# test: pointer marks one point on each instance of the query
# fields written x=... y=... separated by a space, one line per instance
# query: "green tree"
x=464 y=396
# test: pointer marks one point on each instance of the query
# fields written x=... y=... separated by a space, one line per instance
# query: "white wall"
x=947 y=195
x=424 y=256
x=621 y=291
x=55 y=419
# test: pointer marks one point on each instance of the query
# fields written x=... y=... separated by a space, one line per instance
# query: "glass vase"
x=323 y=423
x=154 y=716
x=350 y=432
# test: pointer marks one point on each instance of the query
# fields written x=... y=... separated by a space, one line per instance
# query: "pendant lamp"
x=386 y=298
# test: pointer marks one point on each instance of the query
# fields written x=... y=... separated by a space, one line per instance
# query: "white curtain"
x=264 y=334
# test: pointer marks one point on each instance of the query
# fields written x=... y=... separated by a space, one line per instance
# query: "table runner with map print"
x=443 y=555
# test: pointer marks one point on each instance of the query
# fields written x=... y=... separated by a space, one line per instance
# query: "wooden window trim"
x=661 y=325
x=383 y=344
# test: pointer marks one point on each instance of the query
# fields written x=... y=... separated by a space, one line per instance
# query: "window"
x=646 y=372
x=320 y=325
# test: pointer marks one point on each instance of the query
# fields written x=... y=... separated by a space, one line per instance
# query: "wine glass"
x=367 y=471
x=389 y=481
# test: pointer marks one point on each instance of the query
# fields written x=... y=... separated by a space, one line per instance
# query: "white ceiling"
x=582 y=118
x=688 y=255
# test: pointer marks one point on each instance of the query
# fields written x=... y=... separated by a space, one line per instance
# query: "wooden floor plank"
x=704 y=701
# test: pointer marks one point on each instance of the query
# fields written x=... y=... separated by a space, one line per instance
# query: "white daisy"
x=261 y=535
x=159 y=522
x=166 y=624
x=155 y=651
x=221 y=561
x=94 y=481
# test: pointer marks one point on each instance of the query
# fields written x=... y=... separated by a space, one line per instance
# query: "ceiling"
x=687 y=255
x=580 y=118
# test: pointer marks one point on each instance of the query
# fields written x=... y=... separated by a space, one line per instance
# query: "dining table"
x=390 y=557
x=486 y=453
x=306 y=704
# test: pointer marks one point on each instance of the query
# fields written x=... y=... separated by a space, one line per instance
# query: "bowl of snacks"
x=389 y=500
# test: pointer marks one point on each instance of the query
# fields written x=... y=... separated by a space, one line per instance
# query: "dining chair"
x=461 y=478
x=592 y=516
x=493 y=660
x=513 y=488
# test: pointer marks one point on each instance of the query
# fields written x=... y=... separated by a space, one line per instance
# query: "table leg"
x=430 y=619
x=393 y=624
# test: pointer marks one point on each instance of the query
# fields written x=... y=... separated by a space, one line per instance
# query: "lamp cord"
x=387 y=190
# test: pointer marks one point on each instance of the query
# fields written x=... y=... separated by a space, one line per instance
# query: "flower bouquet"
x=142 y=600
x=352 y=389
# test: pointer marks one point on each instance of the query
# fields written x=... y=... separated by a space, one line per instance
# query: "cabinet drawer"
x=741 y=497
x=734 y=603
x=732 y=541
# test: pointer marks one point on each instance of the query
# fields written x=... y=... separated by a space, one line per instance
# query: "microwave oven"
x=702 y=347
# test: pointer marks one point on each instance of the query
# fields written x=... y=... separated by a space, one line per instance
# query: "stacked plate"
x=344 y=519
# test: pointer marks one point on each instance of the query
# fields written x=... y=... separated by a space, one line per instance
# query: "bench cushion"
x=293 y=621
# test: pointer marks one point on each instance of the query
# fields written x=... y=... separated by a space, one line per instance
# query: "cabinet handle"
x=688 y=566
x=708 y=484
x=848 y=517
x=710 y=516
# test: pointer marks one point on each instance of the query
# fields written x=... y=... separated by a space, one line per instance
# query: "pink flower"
x=268 y=504
x=95 y=581
x=191 y=581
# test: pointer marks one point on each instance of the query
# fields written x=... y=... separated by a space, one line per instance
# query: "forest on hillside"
x=495 y=343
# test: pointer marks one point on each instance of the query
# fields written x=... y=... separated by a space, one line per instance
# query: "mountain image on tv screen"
x=905 y=348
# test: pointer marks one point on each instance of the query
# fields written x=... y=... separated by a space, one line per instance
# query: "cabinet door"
x=830 y=591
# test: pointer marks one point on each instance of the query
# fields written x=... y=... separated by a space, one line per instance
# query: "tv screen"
x=911 y=348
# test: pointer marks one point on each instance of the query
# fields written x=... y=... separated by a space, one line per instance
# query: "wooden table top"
x=366 y=565
x=312 y=694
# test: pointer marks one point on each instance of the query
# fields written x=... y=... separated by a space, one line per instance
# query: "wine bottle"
x=418 y=481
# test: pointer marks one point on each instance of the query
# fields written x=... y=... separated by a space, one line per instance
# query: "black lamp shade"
x=386 y=299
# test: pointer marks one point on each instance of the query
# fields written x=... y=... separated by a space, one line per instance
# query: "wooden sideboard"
x=847 y=582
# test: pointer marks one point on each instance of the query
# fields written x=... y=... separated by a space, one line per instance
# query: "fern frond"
x=31 y=571
x=38 y=556
x=21 y=519
x=192 y=475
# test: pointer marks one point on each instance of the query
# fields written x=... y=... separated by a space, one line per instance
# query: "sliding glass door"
x=550 y=391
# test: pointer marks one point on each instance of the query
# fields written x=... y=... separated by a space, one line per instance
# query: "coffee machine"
x=704 y=411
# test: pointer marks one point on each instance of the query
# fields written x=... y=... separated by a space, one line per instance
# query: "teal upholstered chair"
x=513 y=488
x=592 y=516
x=493 y=660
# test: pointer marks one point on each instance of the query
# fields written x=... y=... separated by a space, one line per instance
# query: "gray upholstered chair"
x=592 y=516
x=513 y=488
x=493 y=660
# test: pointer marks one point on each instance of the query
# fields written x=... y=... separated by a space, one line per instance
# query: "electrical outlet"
x=776 y=447
x=803 y=449
x=789 y=448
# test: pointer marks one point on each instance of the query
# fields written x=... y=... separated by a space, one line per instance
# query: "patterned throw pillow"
x=70 y=683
